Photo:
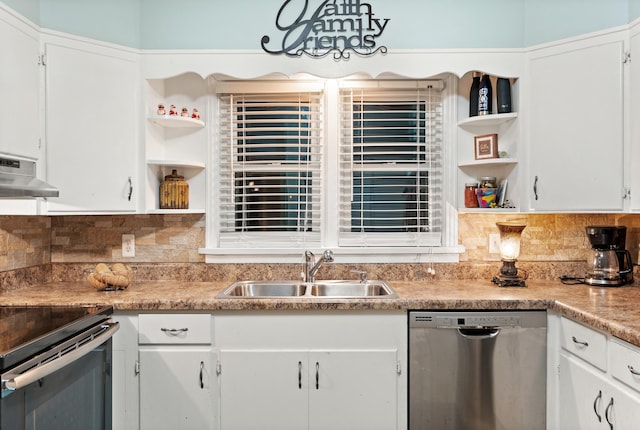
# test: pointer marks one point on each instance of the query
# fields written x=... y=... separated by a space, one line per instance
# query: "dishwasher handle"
x=479 y=333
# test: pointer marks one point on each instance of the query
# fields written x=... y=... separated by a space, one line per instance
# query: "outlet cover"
x=128 y=245
x=494 y=243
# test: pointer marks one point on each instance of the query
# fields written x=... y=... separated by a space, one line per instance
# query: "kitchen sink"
x=265 y=289
x=350 y=289
x=318 y=289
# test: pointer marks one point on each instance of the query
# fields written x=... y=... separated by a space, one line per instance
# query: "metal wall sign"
x=333 y=26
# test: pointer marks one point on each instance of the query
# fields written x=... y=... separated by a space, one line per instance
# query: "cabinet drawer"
x=174 y=329
x=625 y=364
x=584 y=342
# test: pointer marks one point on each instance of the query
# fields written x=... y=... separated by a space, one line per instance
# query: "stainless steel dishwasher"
x=477 y=370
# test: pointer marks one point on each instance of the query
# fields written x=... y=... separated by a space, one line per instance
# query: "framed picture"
x=486 y=146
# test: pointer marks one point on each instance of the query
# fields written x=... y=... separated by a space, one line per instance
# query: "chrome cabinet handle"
x=201 y=370
x=317 y=375
x=174 y=331
x=130 y=189
x=300 y=375
x=535 y=187
x=606 y=413
x=596 y=401
x=632 y=370
x=579 y=342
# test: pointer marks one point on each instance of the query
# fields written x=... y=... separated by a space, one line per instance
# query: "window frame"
x=448 y=251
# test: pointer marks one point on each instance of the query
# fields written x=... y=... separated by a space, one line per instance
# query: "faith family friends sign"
x=338 y=27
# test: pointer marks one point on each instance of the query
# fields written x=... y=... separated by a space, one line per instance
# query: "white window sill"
x=342 y=255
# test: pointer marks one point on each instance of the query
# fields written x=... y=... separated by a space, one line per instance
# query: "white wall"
x=240 y=24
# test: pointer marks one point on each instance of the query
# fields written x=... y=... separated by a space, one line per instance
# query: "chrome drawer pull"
x=632 y=370
x=579 y=342
x=174 y=331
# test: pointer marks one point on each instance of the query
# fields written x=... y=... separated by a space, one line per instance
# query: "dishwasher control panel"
x=436 y=319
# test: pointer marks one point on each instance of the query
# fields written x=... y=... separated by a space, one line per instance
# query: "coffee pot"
x=609 y=263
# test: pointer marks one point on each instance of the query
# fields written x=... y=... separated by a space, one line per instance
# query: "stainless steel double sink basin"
x=317 y=289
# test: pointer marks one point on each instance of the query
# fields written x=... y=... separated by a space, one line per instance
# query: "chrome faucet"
x=311 y=266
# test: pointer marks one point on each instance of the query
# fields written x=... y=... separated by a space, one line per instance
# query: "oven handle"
x=16 y=382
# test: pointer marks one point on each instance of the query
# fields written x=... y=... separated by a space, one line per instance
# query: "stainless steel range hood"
x=18 y=179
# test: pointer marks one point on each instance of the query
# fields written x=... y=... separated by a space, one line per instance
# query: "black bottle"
x=503 y=94
x=473 y=94
x=485 y=96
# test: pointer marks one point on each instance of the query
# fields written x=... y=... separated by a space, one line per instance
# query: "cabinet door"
x=353 y=390
x=91 y=127
x=263 y=389
x=19 y=86
x=624 y=413
x=576 y=127
x=583 y=395
x=175 y=388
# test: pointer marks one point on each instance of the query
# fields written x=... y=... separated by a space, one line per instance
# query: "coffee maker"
x=610 y=262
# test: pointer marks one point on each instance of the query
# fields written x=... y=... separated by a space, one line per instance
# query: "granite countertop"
x=613 y=310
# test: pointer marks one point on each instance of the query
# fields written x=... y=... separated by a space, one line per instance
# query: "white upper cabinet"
x=634 y=109
x=576 y=128
x=92 y=123
x=19 y=77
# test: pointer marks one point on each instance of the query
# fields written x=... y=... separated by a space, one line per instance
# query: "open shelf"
x=493 y=120
x=488 y=162
x=176 y=121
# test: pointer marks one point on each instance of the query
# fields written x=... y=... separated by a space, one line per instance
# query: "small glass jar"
x=488 y=182
x=470 y=197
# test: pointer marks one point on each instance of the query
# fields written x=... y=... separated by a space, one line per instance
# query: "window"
x=354 y=166
x=271 y=158
x=391 y=166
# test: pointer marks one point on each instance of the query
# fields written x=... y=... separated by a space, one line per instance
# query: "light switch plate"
x=128 y=245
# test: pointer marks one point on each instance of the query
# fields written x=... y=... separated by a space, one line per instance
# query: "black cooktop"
x=27 y=331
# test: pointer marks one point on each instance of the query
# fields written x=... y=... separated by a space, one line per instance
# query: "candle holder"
x=510 y=233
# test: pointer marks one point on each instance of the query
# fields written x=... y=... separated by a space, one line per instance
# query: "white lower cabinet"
x=125 y=393
x=175 y=371
x=175 y=388
x=289 y=371
x=588 y=400
x=590 y=396
x=332 y=389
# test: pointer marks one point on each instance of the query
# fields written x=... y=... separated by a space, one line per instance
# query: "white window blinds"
x=270 y=169
x=391 y=165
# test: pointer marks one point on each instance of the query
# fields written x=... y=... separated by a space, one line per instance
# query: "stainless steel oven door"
x=67 y=387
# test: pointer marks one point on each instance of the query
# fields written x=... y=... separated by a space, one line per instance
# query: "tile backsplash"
x=550 y=242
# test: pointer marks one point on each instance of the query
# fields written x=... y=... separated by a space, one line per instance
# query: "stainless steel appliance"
x=477 y=370
x=18 y=179
x=610 y=263
x=55 y=364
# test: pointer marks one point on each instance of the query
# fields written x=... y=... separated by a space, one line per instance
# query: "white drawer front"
x=586 y=343
x=174 y=329
x=625 y=364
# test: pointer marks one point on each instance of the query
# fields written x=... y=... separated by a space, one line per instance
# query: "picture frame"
x=486 y=146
